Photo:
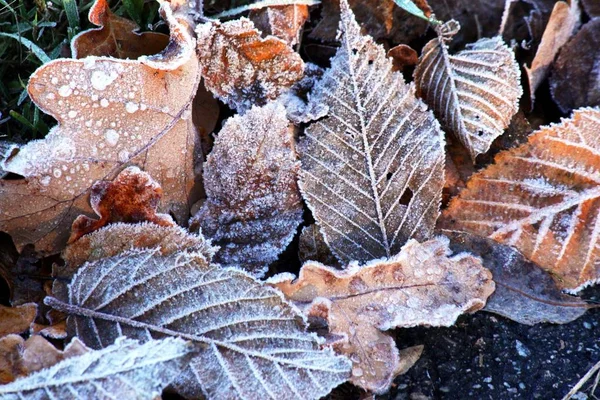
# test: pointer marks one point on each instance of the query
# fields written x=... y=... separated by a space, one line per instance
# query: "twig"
x=582 y=381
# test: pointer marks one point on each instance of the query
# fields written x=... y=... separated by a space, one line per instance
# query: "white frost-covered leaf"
x=126 y=370
x=372 y=170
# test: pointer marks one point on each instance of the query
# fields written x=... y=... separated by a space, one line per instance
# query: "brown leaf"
x=11 y=348
x=591 y=7
x=524 y=292
x=574 y=81
x=205 y=115
x=403 y=56
x=111 y=113
x=474 y=93
x=241 y=68
x=40 y=354
x=253 y=205
x=563 y=22
x=16 y=319
x=116 y=37
x=421 y=285
x=312 y=247
x=543 y=198
x=284 y=22
x=131 y=197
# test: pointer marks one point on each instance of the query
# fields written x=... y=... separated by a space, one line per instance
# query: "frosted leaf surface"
x=475 y=92
x=252 y=343
x=543 y=198
x=372 y=169
x=125 y=370
x=422 y=285
x=312 y=247
x=253 y=205
x=96 y=137
x=284 y=22
x=241 y=68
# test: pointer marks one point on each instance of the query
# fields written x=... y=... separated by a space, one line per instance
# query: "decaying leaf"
x=422 y=285
x=16 y=319
x=284 y=22
x=475 y=93
x=524 y=292
x=241 y=68
x=403 y=56
x=132 y=196
x=592 y=8
x=563 y=22
x=253 y=206
x=575 y=81
x=11 y=347
x=312 y=247
x=372 y=170
x=124 y=370
x=116 y=37
x=252 y=343
x=111 y=113
x=543 y=198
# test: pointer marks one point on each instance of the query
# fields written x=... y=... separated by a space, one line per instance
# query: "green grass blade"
x=70 y=7
x=39 y=53
x=410 y=7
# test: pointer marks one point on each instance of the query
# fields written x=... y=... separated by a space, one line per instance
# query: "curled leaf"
x=284 y=22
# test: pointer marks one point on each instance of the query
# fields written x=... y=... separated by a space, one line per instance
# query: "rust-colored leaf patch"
x=16 y=319
x=284 y=22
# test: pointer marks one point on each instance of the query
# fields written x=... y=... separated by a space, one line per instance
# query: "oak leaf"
x=372 y=169
x=474 y=93
x=111 y=113
x=17 y=319
x=422 y=285
x=284 y=22
x=524 y=292
x=253 y=206
x=241 y=68
x=116 y=37
x=124 y=370
x=542 y=198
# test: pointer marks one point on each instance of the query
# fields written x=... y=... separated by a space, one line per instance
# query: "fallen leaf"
x=592 y=8
x=56 y=331
x=474 y=93
x=253 y=205
x=123 y=370
x=11 y=347
x=542 y=198
x=372 y=169
x=403 y=56
x=312 y=247
x=524 y=292
x=241 y=68
x=16 y=319
x=573 y=82
x=116 y=37
x=284 y=22
x=111 y=113
x=252 y=344
x=563 y=22
x=132 y=196
x=205 y=115
x=422 y=285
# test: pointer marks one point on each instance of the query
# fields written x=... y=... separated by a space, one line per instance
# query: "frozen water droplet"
x=355 y=358
x=86 y=167
x=54 y=80
x=68 y=178
x=65 y=91
x=57 y=173
x=72 y=114
x=358 y=372
x=50 y=96
x=45 y=180
x=131 y=107
x=123 y=156
x=143 y=107
x=88 y=123
x=104 y=103
x=94 y=97
x=112 y=137
x=100 y=80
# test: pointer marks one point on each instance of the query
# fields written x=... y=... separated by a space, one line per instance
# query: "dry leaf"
x=11 y=348
x=16 y=319
x=205 y=115
x=372 y=170
x=124 y=370
x=241 y=68
x=116 y=37
x=592 y=8
x=421 y=285
x=403 y=56
x=543 y=198
x=574 y=81
x=563 y=22
x=132 y=196
x=312 y=247
x=252 y=343
x=524 y=292
x=253 y=206
x=284 y=22
x=111 y=113
x=474 y=93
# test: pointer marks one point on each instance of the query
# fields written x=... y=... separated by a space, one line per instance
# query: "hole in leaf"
x=480 y=132
x=12 y=177
x=355 y=51
x=389 y=176
x=370 y=62
x=406 y=197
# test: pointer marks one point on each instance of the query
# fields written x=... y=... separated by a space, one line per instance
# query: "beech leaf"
x=124 y=370
x=474 y=93
x=422 y=285
x=253 y=205
x=372 y=169
x=542 y=198
x=241 y=68
x=111 y=113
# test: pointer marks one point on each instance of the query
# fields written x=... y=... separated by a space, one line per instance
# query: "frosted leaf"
x=241 y=68
x=372 y=169
x=252 y=344
x=100 y=138
x=125 y=370
x=16 y=319
x=543 y=198
x=284 y=22
x=253 y=205
x=312 y=247
x=474 y=93
x=422 y=285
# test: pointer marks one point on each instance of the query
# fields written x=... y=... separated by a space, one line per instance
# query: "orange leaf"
x=284 y=22
x=16 y=319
